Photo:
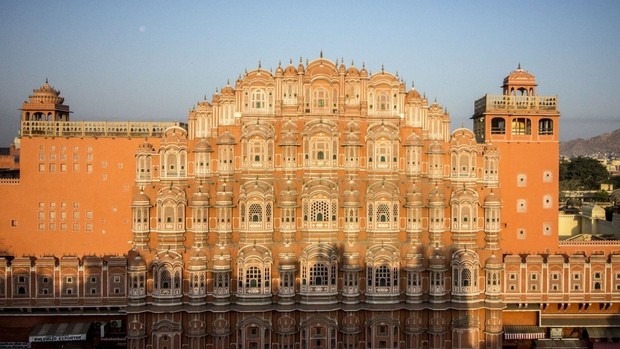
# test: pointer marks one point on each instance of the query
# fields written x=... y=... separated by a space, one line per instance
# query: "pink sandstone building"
x=314 y=206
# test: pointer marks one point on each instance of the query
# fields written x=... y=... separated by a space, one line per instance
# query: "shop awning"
x=603 y=332
x=62 y=332
x=524 y=332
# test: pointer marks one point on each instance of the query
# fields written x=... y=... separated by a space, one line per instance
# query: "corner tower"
x=45 y=104
x=525 y=129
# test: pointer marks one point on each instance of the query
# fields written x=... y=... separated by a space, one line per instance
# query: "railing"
x=95 y=128
x=507 y=102
x=9 y=180
x=589 y=243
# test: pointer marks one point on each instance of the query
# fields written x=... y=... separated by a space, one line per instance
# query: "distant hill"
x=605 y=143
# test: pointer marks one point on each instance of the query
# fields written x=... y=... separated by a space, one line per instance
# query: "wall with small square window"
x=521 y=205
x=547 y=201
x=521 y=234
x=547 y=176
x=521 y=180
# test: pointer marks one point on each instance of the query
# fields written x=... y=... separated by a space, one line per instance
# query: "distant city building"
x=317 y=206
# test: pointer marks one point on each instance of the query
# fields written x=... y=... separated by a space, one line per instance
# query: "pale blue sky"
x=153 y=60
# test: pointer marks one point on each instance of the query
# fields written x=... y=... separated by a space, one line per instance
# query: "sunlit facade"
x=317 y=206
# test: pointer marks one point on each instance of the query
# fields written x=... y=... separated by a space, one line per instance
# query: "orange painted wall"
x=51 y=214
x=525 y=160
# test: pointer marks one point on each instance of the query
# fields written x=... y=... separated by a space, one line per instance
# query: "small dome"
x=200 y=199
x=289 y=138
x=228 y=91
x=225 y=138
x=413 y=139
x=288 y=195
x=493 y=261
x=435 y=148
x=415 y=261
x=413 y=95
x=364 y=72
x=519 y=76
x=413 y=197
x=300 y=68
x=197 y=259
x=353 y=71
x=141 y=199
x=279 y=70
x=436 y=196
x=352 y=196
x=437 y=260
x=352 y=138
x=492 y=198
x=145 y=147
x=134 y=260
x=221 y=262
x=203 y=146
x=46 y=94
x=290 y=70
x=224 y=194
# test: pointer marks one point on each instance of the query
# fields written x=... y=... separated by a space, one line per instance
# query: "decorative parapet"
x=95 y=128
x=508 y=102
x=9 y=180
x=589 y=243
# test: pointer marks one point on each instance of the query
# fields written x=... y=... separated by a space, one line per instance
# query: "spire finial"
x=519 y=66
x=321 y=55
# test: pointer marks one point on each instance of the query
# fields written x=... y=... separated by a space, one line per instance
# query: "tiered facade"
x=320 y=206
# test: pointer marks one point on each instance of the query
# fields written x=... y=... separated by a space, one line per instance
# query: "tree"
x=615 y=181
x=582 y=173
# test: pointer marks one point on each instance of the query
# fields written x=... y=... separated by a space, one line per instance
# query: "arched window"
x=319 y=211
x=521 y=126
x=253 y=277
x=545 y=127
x=258 y=99
x=383 y=213
x=498 y=126
x=320 y=98
x=319 y=274
x=256 y=213
x=382 y=276
x=165 y=281
x=465 y=277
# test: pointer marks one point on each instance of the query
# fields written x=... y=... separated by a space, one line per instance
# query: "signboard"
x=58 y=338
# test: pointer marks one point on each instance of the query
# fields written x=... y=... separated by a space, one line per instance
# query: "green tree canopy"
x=582 y=173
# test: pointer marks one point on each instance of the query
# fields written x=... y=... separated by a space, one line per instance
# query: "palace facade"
x=317 y=206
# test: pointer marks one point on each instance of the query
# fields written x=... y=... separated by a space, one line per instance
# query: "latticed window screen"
x=256 y=213
x=165 y=279
x=383 y=213
x=319 y=211
x=319 y=275
x=253 y=277
x=382 y=276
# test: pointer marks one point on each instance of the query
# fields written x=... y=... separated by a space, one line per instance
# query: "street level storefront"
x=65 y=335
